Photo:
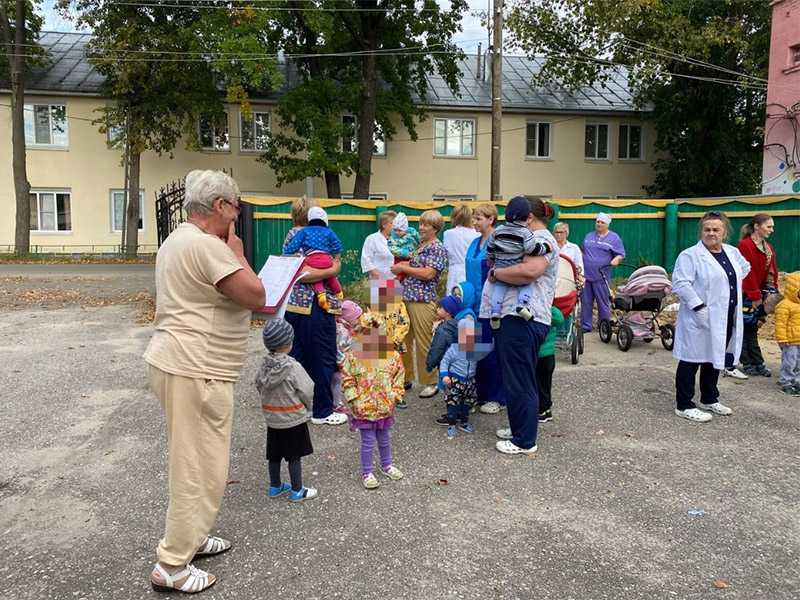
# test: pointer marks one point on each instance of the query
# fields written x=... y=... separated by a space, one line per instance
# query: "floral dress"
x=433 y=255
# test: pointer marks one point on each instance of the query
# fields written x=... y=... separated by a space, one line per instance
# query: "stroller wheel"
x=667 y=336
x=575 y=350
x=624 y=338
x=580 y=340
x=604 y=329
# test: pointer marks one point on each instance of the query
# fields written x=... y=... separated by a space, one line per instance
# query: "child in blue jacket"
x=457 y=370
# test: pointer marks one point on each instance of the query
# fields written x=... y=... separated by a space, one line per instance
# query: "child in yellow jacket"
x=787 y=334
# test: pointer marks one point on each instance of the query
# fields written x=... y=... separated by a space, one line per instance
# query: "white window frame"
x=538 y=156
x=376 y=138
x=376 y=196
x=597 y=126
x=628 y=157
x=55 y=191
x=214 y=134
x=111 y=132
x=113 y=210
x=30 y=126
x=251 y=122
x=447 y=121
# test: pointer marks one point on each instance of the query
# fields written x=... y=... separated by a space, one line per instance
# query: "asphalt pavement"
x=622 y=501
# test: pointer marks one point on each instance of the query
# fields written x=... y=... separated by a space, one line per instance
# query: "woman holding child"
x=517 y=339
x=422 y=275
x=314 y=328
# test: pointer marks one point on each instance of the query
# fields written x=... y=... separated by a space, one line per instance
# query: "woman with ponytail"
x=762 y=279
x=517 y=339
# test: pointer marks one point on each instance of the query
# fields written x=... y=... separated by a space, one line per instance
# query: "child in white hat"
x=403 y=241
x=319 y=245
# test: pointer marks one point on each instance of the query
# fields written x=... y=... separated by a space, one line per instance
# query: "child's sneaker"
x=280 y=490
x=370 y=482
x=524 y=312
x=401 y=403
x=322 y=300
x=494 y=321
x=546 y=416
x=451 y=432
x=467 y=427
x=392 y=473
x=304 y=493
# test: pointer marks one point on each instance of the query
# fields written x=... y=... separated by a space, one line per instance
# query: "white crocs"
x=694 y=414
x=335 y=418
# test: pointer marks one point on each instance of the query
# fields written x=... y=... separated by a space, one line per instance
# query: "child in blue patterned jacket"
x=457 y=370
x=319 y=245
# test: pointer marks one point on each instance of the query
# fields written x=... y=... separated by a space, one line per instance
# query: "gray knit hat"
x=277 y=334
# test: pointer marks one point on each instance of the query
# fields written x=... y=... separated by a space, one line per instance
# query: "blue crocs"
x=280 y=490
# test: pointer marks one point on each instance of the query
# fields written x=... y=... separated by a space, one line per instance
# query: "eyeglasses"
x=235 y=207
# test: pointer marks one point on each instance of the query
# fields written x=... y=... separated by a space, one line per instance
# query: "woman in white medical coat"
x=708 y=281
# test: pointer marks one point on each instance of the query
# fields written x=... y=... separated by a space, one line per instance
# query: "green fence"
x=654 y=231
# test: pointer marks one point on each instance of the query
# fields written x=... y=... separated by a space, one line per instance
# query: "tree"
x=699 y=64
x=366 y=58
x=18 y=37
x=165 y=67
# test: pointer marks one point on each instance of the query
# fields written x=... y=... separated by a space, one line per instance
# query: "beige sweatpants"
x=199 y=414
x=421 y=316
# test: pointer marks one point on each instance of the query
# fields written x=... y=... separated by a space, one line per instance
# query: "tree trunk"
x=22 y=188
x=333 y=184
x=366 y=117
x=132 y=211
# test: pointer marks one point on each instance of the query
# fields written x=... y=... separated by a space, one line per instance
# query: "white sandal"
x=197 y=580
x=213 y=545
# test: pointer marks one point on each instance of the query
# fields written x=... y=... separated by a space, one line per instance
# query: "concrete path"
x=604 y=511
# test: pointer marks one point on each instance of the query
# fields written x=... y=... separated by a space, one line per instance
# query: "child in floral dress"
x=372 y=382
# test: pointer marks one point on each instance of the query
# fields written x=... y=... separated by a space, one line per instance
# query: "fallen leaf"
x=234 y=481
x=721 y=584
x=442 y=482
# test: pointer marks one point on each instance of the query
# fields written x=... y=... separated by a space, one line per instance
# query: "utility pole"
x=497 y=97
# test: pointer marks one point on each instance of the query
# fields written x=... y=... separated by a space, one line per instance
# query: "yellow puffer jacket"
x=787 y=313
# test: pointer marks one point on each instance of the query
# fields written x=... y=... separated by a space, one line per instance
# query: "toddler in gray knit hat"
x=287 y=393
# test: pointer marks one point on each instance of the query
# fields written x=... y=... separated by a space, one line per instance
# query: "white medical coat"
x=699 y=279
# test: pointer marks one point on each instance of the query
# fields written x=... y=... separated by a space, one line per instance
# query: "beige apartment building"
x=591 y=143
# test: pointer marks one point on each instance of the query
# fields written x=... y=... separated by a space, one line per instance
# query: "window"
x=350 y=137
x=794 y=56
x=454 y=137
x=118 y=209
x=214 y=133
x=114 y=136
x=537 y=140
x=454 y=198
x=50 y=211
x=596 y=141
x=371 y=196
x=255 y=131
x=630 y=142
x=46 y=125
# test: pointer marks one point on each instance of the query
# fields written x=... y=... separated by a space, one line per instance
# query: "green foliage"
x=326 y=85
x=709 y=134
x=33 y=25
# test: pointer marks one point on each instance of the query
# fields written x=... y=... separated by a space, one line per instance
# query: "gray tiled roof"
x=70 y=72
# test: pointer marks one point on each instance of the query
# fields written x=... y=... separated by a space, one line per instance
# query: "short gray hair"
x=561 y=224
x=203 y=187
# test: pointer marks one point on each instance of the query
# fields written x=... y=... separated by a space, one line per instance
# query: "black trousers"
x=544 y=381
x=709 y=376
x=751 y=351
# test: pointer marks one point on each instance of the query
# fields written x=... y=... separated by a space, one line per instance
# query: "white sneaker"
x=429 y=391
x=504 y=434
x=718 y=408
x=734 y=373
x=332 y=419
x=490 y=408
x=694 y=414
x=507 y=447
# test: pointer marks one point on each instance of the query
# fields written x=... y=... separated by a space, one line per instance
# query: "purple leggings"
x=369 y=439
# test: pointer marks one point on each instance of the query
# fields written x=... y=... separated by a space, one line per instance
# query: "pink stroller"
x=636 y=307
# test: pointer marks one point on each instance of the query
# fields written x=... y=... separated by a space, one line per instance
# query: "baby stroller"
x=636 y=307
x=569 y=336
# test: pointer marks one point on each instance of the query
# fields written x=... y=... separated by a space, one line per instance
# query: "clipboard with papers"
x=278 y=275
